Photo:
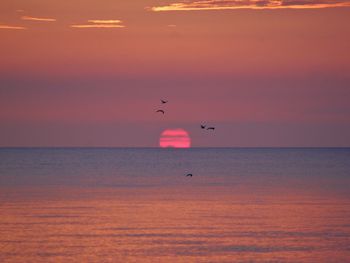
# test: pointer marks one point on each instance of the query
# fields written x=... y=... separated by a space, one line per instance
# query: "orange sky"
x=269 y=73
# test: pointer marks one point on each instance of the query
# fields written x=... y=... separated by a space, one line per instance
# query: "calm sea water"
x=137 y=205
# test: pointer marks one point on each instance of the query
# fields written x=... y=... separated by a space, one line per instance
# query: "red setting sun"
x=175 y=138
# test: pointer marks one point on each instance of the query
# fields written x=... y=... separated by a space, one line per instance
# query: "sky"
x=267 y=73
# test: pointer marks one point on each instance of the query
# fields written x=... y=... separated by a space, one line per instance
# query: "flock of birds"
x=202 y=126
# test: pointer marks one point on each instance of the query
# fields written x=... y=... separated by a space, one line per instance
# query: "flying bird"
x=164 y=101
x=211 y=128
x=203 y=126
x=189 y=175
x=160 y=111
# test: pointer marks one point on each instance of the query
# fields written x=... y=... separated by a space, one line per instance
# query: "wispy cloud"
x=97 y=26
x=97 y=21
x=42 y=19
x=250 y=4
x=101 y=23
x=12 y=27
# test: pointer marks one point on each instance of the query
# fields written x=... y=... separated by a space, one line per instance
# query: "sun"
x=175 y=138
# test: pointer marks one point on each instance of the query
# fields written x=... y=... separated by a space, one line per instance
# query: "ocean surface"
x=137 y=205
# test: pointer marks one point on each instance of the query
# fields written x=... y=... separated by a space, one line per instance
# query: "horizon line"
x=174 y=148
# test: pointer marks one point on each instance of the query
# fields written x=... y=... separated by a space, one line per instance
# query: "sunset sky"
x=92 y=73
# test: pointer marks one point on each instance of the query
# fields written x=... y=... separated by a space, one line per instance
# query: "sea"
x=138 y=205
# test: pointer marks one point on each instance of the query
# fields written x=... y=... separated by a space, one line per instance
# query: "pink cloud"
x=250 y=4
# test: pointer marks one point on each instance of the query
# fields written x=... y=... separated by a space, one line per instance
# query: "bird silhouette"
x=160 y=111
x=189 y=175
x=211 y=128
x=164 y=101
x=203 y=126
